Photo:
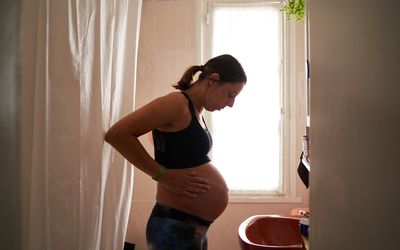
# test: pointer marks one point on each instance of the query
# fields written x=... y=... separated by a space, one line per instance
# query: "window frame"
x=290 y=162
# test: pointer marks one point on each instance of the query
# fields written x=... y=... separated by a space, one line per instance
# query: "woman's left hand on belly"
x=184 y=182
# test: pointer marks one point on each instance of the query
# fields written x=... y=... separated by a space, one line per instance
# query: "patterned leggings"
x=171 y=229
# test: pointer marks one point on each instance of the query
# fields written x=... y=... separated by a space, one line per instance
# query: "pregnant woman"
x=191 y=193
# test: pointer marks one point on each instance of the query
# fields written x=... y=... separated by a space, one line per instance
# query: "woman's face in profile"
x=221 y=95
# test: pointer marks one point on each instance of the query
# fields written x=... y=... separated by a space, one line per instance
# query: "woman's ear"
x=214 y=77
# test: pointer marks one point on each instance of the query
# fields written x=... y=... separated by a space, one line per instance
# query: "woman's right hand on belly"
x=184 y=182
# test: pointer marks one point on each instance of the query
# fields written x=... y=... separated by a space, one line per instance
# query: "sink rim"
x=250 y=220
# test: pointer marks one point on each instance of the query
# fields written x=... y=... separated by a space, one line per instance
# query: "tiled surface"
x=167 y=46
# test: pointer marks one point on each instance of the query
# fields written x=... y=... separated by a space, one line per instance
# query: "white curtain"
x=78 y=67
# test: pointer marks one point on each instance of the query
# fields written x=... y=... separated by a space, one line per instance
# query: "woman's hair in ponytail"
x=228 y=68
x=186 y=80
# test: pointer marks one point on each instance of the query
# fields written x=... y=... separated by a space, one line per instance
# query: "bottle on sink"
x=305 y=226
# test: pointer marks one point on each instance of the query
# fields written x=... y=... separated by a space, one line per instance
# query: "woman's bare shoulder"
x=164 y=111
x=176 y=99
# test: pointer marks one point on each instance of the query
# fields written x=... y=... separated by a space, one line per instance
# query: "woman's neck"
x=197 y=93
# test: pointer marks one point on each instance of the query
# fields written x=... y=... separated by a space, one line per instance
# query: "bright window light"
x=248 y=137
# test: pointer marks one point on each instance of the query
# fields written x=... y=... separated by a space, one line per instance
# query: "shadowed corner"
x=129 y=246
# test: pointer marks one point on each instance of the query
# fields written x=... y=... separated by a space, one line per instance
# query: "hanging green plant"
x=294 y=9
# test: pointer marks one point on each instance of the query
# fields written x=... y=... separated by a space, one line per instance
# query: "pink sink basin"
x=270 y=232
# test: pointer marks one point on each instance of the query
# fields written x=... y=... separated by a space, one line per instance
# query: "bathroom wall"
x=168 y=44
x=355 y=121
x=9 y=116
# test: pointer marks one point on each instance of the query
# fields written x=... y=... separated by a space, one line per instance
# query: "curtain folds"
x=78 y=77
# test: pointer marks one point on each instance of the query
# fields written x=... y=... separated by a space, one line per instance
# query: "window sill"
x=263 y=199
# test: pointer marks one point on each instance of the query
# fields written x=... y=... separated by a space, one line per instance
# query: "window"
x=252 y=141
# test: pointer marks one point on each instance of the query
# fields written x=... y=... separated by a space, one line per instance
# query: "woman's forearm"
x=131 y=149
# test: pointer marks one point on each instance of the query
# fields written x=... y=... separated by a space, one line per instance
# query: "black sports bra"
x=185 y=148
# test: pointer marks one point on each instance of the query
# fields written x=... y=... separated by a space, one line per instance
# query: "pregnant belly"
x=209 y=205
